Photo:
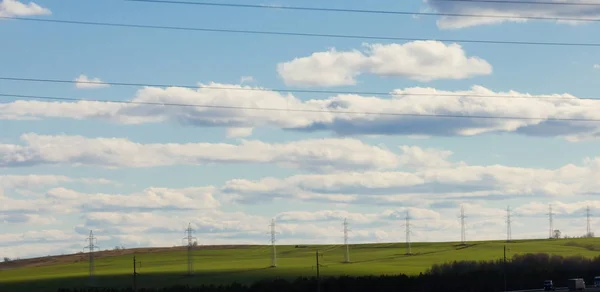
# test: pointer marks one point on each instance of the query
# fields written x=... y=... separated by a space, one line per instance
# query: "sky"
x=260 y=138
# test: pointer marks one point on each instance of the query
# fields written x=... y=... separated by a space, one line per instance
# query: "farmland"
x=245 y=264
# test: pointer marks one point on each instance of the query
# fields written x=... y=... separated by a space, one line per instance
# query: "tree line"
x=527 y=271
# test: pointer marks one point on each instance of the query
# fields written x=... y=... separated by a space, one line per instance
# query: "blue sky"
x=66 y=168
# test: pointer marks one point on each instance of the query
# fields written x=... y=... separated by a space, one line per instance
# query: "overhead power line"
x=522 y=2
x=297 y=34
x=299 y=110
x=230 y=5
x=379 y=93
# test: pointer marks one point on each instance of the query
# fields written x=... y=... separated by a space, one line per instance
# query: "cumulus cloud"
x=437 y=185
x=325 y=215
x=62 y=201
x=33 y=181
x=27 y=219
x=596 y=66
x=539 y=112
x=358 y=218
x=152 y=216
x=239 y=132
x=39 y=243
x=511 y=11
x=418 y=157
x=84 y=82
x=419 y=60
x=316 y=154
x=246 y=79
x=194 y=198
x=12 y=8
x=571 y=209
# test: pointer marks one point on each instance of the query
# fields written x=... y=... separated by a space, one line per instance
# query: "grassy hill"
x=245 y=264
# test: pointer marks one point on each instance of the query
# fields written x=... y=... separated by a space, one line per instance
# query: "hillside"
x=225 y=264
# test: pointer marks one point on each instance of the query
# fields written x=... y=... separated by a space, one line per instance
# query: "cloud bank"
x=510 y=10
x=314 y=155
x=539 y=111
x=419 y=60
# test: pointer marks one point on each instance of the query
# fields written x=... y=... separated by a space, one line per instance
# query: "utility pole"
x=587 y=214
x=318 y=274
x=91 y=246
x=505 y=268
x=135 y=273
x=347 y=255
x=550 y=221
x=508 y=227
x=463 y=239
x=274 y=251
x=408 y=251
x=190 y=246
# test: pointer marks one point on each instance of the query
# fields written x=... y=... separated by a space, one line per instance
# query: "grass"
x=246 y=264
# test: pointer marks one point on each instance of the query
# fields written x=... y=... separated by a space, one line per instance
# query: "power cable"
x=540 y=97
x=521 y=2
x=299 y=110
x=199 y=29
x=362 y=10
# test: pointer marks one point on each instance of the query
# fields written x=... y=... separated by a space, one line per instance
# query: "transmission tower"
x=508 y=228
x=407 y=218
x=463 y=238
x=91 y=246
x=190 y=246
x=550 y=221
x=274 y=252
x=346 y=230
x=587 y=214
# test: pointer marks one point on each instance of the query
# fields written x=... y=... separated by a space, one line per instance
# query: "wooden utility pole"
x=318 y=274
x=504 y=267
x=135 y=274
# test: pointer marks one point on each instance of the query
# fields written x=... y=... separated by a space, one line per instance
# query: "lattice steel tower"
x=190 y=246
x=91 y=246
x=463 y=238
x=346 y=230
x=274 y=250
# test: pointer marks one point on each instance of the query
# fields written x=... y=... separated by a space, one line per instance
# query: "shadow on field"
x=144 y=280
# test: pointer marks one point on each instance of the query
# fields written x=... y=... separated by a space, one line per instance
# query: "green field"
x=248 y=264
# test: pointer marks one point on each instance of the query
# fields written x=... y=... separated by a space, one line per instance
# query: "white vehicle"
x=597 y=281
x=576 y=284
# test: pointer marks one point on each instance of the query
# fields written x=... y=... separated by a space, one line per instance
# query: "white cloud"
x=418 y=157
x=596 y=66
x=194 y=198
x=27 y=219
x=39 y=243
x=358 y=218
x=509 y=10
x=36 y=181
x=425 y=101
x=12 y=8
x=85 y=82
x=441 y=183
x=246 y=79
x=317 y=154
x=239 y=132
x=419 y=60
x=154 y=217
x=559 y=208
x=62 y=201
x=325 y=215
